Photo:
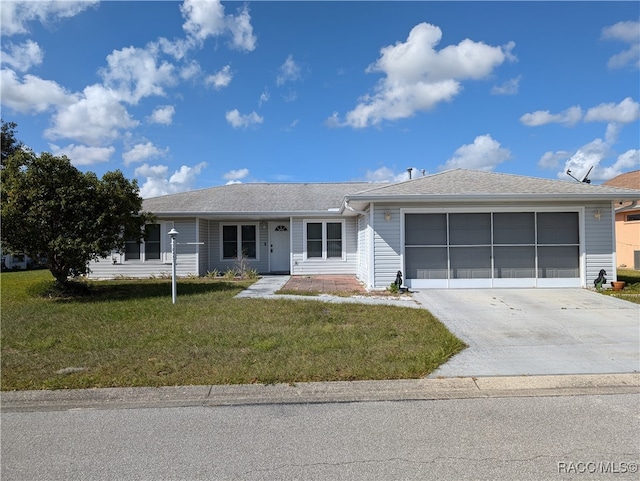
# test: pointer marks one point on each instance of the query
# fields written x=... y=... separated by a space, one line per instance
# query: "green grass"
x=127 y=333
x=631 y=291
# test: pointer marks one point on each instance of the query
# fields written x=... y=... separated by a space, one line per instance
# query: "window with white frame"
x=149 y=249
x=324 y=239
x=239 y=240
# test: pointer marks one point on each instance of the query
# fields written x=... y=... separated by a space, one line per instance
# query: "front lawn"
x=127 y=333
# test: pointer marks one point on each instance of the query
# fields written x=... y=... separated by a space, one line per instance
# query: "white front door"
x=279 y=247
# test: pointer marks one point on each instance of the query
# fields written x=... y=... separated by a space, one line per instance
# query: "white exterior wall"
x=302 y=266
x=599 y=241
x=187 y=255
x=387 y=247
x=364 y=251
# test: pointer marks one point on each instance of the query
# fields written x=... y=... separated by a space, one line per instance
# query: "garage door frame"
x=494 y=282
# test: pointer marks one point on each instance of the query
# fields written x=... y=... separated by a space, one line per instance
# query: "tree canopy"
x=52 y=211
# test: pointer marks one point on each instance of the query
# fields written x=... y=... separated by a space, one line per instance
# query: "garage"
x=498 y=248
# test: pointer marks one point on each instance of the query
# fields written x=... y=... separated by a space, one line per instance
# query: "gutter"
x=632 y=206
x=461 y=198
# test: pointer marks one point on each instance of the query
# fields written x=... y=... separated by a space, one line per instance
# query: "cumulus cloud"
x=289 y=71
x=157 y=181
x=235 y=176
x=208 y=19
x=237 y=120
x=140 y=152
x=31 y=94
x=629 y=33
x=484 y=154
x=570 y=116
x=83 y=154
x=510 y=87
x=220 y=79
x=625 y=112
x=417 y=77
x=14 y=16
x=385 y=174
x=162 y=115
x=23 y=56
x=95 y=117
x=136 y=73
x=593 y=155
x=264 y=97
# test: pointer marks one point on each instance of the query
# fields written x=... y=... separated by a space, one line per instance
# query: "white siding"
x=386 y=245
x=364 y=250
x=302 y=266
x=599 y=241
x=187 y=256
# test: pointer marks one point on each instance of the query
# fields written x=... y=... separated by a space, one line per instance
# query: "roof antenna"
x=585 y=179
x=409 y=170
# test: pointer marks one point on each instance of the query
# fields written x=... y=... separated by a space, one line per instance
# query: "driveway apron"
x=537 y=331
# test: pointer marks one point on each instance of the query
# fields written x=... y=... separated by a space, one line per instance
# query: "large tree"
x=52 y=211
x=10 y=144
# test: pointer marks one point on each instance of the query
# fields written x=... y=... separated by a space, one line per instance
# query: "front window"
x=134 y=249
x=239 y=240
x=324 y=240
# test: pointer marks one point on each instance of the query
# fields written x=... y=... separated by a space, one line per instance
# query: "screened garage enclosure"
x=492 y=249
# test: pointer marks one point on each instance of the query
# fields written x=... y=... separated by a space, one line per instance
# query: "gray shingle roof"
x=458 y=185
x=257 y=198
x=471 y=183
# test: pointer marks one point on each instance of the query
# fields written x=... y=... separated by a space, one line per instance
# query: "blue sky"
x=194 y=94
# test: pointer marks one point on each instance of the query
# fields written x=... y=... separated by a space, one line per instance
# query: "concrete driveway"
x=537 y=331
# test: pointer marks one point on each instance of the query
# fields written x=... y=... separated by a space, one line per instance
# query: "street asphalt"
x=541 y=322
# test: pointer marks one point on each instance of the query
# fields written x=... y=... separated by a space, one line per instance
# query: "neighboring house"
x=458 y=228
x=627 y=222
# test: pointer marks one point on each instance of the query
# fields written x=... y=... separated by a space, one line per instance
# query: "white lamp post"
x=173 y=234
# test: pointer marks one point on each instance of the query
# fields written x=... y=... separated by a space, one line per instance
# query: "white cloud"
x=93 y=118
x=241 y=30
x=235 y=176
x=630 y=160
x=31 y=94
x=22 y=57
x=221 y=78
x=484 y=154
x=190 y=70
x=14 y=16
x=162 y=115
x=136 y=73
x=207 y=19
x=385 y=174
x=158 y=182
x=264 y=98
x=627 y=32
x=551 y=160
x=570 y=116
x=418 y=77
x=82 y=154
x=289 y=71
x=140 y=152
x=625 y=112
x=593 y=155
x=237 y=120
x=510 y=87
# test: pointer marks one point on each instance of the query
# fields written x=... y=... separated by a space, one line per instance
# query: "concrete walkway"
x=267 y=286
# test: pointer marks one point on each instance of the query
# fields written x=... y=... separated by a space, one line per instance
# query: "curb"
x=320 y=392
